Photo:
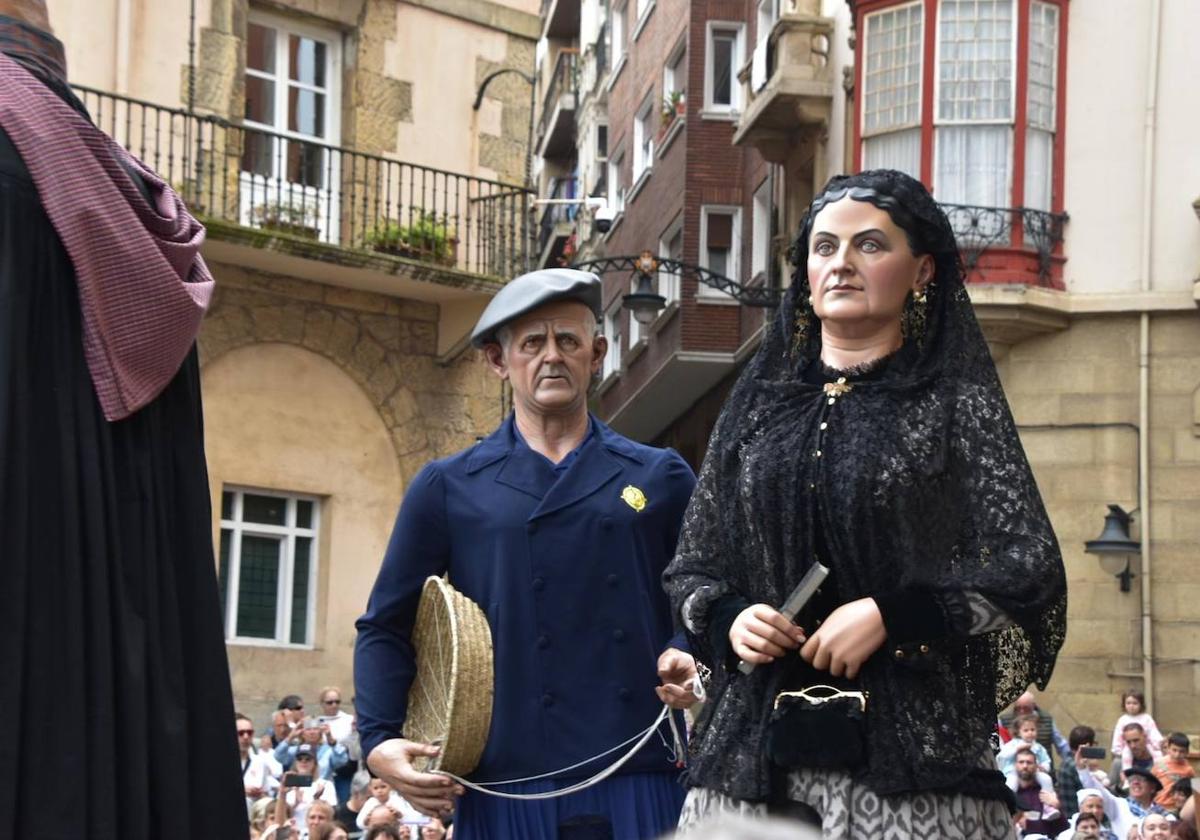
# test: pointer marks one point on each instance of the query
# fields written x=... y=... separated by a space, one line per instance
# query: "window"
x=722 y=92
x=675 y=72
x=292 y=89
x=768 y=13
x=760 y=253
x=765 y=18
x=601 y=141
x=974 y=104
x=892 y=90
x=620 y=28
x=670 y=245
x=616 y=184
x=1042 y=104
x=643 y=137
x=268 y=565
x=720 y=238
x=612 y=331
x=941 y=88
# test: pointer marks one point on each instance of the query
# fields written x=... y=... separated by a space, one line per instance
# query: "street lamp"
x=1114 y=545
x=644 y=302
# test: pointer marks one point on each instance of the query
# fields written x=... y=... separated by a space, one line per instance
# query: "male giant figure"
x=559 y=529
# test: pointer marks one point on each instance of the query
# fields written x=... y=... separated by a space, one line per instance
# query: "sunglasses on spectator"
x=300 y=758
x=332 y=702
x=242 y=732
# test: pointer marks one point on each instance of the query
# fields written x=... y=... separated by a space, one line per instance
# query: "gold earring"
x=803 y=324
x=912 y=322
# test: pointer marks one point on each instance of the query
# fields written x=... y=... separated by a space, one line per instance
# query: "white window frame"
x=767 y=13
x=276 y=189
x=616 y=186
x=612 y=331
x=675 y=71
x=737 y=59
x=644 y=129
x=760 y=222
x=1035 y=180
x=1006 y=199
x=284 y=595
x=914 y=125
x=642 y=9
x=618 y=26
x=703 y=290
x=601 y=125
x=669 y=284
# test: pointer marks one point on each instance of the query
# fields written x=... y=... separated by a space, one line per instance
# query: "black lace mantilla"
x=924 y=496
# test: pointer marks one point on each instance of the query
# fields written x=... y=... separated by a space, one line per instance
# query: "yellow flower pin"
x=633 y=497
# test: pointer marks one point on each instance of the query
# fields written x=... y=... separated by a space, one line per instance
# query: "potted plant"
x=295 y=219
x=426 y=237
x=674 y=105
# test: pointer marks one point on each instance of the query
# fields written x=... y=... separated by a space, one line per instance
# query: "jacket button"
x=539 y=584
x=924 y=648
x=547 y=700
x=618 y=635
x=899 y=654
x=612 y=580
x=543 y=642
x=624 y=693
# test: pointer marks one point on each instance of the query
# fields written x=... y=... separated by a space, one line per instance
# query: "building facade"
x=360 y=214
x=1067 y=167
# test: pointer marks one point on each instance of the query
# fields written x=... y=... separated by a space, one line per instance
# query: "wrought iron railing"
x=564 y=80
x=286 y=184
x=980 y=228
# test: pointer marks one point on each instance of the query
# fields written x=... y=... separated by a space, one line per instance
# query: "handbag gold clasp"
x=831 y=693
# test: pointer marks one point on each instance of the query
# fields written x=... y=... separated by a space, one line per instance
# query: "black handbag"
x=819 y=727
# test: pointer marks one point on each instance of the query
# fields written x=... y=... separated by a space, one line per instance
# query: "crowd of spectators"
x=1066 y=789
x=305 y=779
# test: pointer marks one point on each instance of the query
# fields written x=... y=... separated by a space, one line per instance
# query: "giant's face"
x=549 y=357
x=861 y=268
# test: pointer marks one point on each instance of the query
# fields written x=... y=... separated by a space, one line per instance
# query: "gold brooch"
x=839 y=388
x=633 y=497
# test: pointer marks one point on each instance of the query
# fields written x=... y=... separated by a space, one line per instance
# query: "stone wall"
x=386 y=345
x=1085 y=381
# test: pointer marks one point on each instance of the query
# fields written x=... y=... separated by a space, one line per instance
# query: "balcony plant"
x=674 y=105
x=427 y=237
x=295 y=219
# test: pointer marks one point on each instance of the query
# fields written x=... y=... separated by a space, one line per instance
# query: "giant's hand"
x=430 y=793
x=761 y=634
x=677 y=670
x=847 y=639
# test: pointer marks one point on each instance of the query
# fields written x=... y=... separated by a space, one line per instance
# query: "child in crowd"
x=1025 y=728
x=1172 y=767
x=382 y=794
x=1134 y=704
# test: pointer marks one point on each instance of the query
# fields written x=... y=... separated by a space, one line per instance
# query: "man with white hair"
x=559 y=529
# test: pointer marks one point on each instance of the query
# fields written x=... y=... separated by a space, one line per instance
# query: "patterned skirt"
x=850 y=811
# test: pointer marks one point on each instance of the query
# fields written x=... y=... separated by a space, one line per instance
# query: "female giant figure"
x=869 y=433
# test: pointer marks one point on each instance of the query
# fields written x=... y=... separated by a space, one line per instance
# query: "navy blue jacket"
x=568 y=574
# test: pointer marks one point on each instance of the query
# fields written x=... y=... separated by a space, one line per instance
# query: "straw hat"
x=450 y=702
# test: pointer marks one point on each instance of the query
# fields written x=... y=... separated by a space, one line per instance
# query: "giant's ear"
x=925 y=272
x=599 y=351
x=494 y=353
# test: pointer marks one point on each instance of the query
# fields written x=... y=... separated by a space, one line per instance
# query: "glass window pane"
x=305 y=165
x=258 y=154
x=306 y=61
x=304 y=514
x=306 y=112
x=891 y=82
x=975 y=37
x=718 y=261
x=299 y=630
x=227 y=504
x=269 y=510
x=258 y=586
x=722 y=64
x=223 y=569
x=260 y=48
x=260 y=100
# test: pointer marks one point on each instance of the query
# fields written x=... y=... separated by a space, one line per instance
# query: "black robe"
x=114 y=685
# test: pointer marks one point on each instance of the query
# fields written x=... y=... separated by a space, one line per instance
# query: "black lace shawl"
x=926 y=502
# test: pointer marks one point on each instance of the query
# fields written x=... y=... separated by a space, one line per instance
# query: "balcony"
x=787 y=86
x=556 y=224
x=560 y=18
x=282 y=203
x=556 y=130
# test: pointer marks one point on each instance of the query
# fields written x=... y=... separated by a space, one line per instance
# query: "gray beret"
x=529 y=291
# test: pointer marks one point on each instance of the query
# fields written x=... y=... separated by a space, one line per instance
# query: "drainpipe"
x=1148 y=171
x=124 y=37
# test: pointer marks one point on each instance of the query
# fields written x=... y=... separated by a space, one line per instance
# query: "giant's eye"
x=824 y=248
x=869 y=246
x=568 y=342
x=532 y=344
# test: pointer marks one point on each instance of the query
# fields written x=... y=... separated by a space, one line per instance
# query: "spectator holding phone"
x=315 y=734
x=303 y=786
x=1068 y=774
